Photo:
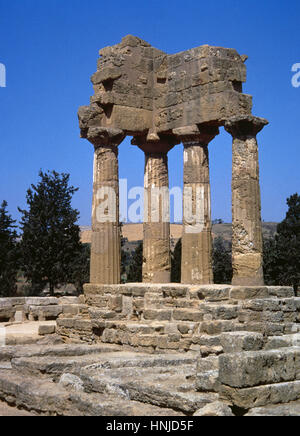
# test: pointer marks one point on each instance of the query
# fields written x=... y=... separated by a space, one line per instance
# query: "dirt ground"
x=6 y=410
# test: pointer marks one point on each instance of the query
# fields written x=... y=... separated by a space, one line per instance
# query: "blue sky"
x=50 y=50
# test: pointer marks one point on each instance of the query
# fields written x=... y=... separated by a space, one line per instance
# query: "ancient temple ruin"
x=157 y=348
x=162 y=100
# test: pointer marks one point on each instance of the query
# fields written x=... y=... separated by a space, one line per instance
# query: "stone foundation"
x=170 y=317
x=20 y=309
x=162 y=350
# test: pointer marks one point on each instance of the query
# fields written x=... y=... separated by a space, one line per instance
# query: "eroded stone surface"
x=196 y=265
x=215 y=409
x=160 y=100
x=138 y=88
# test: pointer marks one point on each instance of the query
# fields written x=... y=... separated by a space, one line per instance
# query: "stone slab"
x=254 y=368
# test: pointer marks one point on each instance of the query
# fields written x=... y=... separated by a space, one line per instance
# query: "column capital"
x=161 y=146
x=202 y=134
x=243 y=126
x=105 y=136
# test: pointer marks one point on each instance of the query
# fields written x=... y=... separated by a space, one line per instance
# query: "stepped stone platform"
x=162 y=350
x=155 y=318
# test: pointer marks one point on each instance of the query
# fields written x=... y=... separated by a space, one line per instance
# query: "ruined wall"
x=140 y=89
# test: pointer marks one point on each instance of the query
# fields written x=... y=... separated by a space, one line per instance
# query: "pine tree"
x=135 y=273
x=282 y=254
x=176 y=263
x=222 y=263
x=124 y=256
x=270 y=262
x=80 y=268
x=51 y=238
x=8 y=253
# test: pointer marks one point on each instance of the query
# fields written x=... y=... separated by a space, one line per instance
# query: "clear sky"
x=50 y=50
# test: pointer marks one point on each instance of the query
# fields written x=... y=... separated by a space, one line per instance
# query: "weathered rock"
x=52 y=339
x=41 y=301
x=42 y=396
x=46 y=329
x=233 y=342
x=214 y=409
x=264 y=395
x=254 y=368
x=71 y=381
x=290 y=409
x=148 y=90
x=208 y=381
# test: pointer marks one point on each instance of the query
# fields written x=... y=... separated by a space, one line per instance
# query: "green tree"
x=270 y=262
x=176 y=263
x=8 y=253
x=51 y=238
x=222 y=263
x=282 y=254
x=80 y=267
x=124 y=256
x=135 y=273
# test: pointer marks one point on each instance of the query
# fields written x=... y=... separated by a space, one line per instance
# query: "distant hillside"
x=134 y=232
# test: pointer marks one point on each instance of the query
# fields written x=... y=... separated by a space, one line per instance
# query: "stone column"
x=247 y=247
x=196 y=264
x=156 y=228
x=106 y=242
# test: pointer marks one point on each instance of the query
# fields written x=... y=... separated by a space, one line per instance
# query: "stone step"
x=214 y=312
x=234 y=342
x=255 y=368
x=42 y=396
x=111 y=404
x=287 y=409
x=170 y=303
x=151 y=387
x=49 y=398
x=57 y=365
x=207 y=381
x=266 y=328
x=286 y=341
x=192 y=315
x=77 y=329
x=146 y=327
x=9 y=352
x=206 y=364
x=259 y=396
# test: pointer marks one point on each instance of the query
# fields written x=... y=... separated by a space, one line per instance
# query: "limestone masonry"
x=163 y=100
x=157 y=348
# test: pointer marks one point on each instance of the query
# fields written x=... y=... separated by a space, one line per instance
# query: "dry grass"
x=134 y=232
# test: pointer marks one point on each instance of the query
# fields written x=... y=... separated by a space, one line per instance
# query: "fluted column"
x=106 y=245
x=196 y=264
x=156 y=228
x=247 y=246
